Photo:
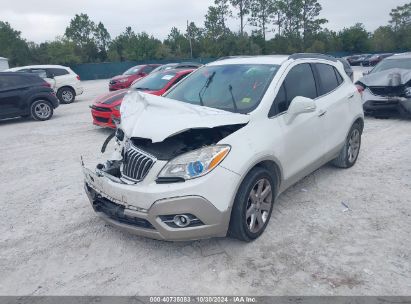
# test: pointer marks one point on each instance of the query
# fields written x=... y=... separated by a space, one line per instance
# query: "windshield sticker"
x=167 y=77
x=246 y=100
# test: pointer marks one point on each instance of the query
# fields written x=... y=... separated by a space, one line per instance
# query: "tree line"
x=277 y=27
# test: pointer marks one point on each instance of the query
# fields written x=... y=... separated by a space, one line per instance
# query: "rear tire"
x=253 y=205
x=41 y=110
x=349 y=153
x=66 y=95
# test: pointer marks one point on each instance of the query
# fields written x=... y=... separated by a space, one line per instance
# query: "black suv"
x=23 y=94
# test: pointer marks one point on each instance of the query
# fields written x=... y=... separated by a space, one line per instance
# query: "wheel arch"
x=39 y=97
x=359 y=121
x=268 y=163
x=67 y=86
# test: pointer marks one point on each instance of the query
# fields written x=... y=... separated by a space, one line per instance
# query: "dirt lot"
x=52 y=243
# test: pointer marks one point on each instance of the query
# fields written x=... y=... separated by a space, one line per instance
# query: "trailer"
x=4 y=64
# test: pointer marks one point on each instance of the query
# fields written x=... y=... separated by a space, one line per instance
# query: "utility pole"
x=189 y=39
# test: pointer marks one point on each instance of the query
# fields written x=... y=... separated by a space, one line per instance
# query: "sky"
x=42 y=20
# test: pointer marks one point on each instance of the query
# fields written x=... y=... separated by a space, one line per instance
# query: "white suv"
x=62 y=80
x=210 y=157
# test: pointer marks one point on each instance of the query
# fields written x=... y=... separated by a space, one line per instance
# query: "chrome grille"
x=136 y=164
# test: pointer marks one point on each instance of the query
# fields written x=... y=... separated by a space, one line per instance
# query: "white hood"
x=156 y=118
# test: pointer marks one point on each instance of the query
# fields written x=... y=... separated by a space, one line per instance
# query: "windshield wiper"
x=143 y=89
x=230 y=88
x=205 y=87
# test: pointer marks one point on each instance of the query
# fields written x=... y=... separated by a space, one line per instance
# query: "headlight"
x=117 y=108
x=123 y=80
x=196 y=163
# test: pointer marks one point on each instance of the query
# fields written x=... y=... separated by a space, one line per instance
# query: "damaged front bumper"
x=375 y=104
x=148 y=208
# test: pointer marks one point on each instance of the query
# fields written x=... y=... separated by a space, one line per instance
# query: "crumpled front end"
x=128 y=191
x=387 y=93
x=152 y=210
x=387 y=104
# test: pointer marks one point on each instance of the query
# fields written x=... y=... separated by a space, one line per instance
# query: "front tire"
x=41 y=110
x=253 y=205
x=66 y=95
x=349 y=153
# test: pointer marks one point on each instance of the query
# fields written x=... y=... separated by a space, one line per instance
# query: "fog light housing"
x=182 y=220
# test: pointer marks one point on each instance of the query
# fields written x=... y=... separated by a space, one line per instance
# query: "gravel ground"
x=52 y=243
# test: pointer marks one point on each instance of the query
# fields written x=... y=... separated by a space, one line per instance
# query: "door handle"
x=321 y=113
x=351 y=96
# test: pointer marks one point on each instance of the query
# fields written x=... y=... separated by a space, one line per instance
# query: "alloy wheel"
x=354 y=143
x=42 y=110
x=259 y=204
x=67 y=96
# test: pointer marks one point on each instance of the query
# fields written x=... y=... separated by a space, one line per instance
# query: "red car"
x=124 y=81
x=157 y=83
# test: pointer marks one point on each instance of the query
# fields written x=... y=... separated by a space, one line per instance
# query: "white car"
x=211 y=156
x=63 y=80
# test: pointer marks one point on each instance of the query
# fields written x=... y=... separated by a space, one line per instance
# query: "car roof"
x=177 y=71
x=262 y=59
x=10 y=73
x=44 y=66
x=400 y=56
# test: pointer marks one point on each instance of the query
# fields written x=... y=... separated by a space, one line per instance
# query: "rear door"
x=43 y=73
x=13 y=88
x=61 y=77
x=333 y=101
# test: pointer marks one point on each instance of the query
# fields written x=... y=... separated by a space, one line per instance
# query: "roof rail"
x=311 y=56
x=232 y=57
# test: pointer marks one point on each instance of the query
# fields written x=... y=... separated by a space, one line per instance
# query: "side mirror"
x=299 y=105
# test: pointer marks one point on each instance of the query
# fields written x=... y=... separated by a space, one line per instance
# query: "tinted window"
x=327 y=78
x=58 y=72
x=280 y=103
x=340 y=80
x=12 y=81
x=299 y=82
x=148 y=69
x=39 y=72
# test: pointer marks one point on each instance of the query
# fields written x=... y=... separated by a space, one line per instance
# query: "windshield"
x=133 y=70
x=236 y=88
x=392 y=64
x=154 y=82
x=164 y=67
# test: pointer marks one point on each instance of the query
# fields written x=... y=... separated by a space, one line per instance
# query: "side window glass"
x=340 y=80
x=300 y=82
x=148 y=69
x=40 y=73
x=11 y=81
x=327 y=78
x=58 y=72
x=280 y=102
